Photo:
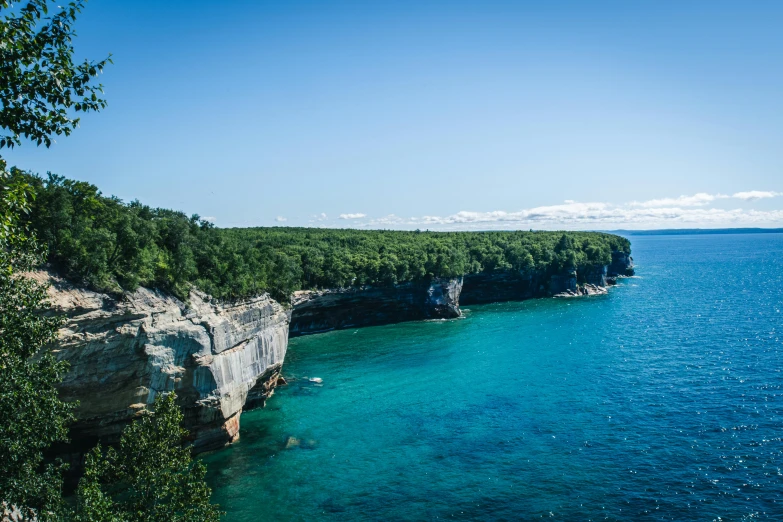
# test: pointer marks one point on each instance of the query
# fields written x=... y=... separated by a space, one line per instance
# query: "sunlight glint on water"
x=660 y=401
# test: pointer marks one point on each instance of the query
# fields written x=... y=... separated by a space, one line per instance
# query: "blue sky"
x=440 y=115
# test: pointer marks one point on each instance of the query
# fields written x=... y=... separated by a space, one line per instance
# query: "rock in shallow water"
x=585 y=290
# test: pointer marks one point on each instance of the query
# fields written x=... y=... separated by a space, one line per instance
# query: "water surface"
x=660 y=401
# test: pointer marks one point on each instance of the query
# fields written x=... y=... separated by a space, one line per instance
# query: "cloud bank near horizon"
x=702 y=199
x=686 y=211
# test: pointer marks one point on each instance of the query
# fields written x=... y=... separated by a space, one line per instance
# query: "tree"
x=33 y=417
x=40 y=85
x=40 y=88
x=149 y=477
x=111 y=246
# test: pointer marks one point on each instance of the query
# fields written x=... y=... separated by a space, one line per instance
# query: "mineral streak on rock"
x=124 y=351
x=334 y=309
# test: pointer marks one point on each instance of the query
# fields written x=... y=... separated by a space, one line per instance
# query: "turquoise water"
x=660 y=401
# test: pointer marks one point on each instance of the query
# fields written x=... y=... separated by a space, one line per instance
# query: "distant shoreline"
x=697 y=231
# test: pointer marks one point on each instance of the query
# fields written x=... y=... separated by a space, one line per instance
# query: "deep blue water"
x=660 y=401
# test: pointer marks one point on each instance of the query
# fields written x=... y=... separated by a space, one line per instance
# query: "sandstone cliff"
x=501 y=285
x=323 y=310
x=511 y=285
x=123 y=352
x=317 y=311
x=621 y=265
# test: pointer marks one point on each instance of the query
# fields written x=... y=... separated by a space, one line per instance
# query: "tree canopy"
x=110 y=245
x=33 y=417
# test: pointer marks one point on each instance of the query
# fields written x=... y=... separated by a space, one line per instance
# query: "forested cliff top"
x=109 y=245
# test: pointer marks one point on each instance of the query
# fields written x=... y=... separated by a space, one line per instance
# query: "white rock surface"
x=124 y=352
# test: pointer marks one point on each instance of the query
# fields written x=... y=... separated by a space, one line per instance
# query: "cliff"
x=317 y=311
x=621 y=266
x=323 y=310
x=123 y=352
x=222 y=358
x=502 y=285
x=510 y=285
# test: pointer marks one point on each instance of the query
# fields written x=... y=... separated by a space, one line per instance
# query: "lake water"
x=660 y=401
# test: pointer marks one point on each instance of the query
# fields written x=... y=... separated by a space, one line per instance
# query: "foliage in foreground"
x=110 y=245
x=149 y=477
x=41 y=88
x=40 y=84
x=33 y=417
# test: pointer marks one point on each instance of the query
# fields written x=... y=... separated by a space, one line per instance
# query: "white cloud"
x=753 y=195
x=319 y=217
x=387 y=221
x=352 y=216
x=682 y=212
x=281 y=219
x=697 y=200
x=549 y=213
x=703 y=199
x=210 y=219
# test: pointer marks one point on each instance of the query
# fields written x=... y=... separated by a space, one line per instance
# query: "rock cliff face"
x=594 y=275
x=122 y=353
x=335 y=309
x=622 y=265
x=508 y=285
x=564 y=282
x=505 y=285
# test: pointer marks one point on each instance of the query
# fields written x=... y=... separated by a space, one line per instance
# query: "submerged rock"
x=294 y=442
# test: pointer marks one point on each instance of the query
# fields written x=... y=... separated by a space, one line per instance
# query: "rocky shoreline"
x=318 y=311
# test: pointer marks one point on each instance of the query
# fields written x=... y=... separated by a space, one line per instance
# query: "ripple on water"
x=662 y=401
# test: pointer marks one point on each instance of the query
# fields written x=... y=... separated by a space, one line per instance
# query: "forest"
x=109 y=245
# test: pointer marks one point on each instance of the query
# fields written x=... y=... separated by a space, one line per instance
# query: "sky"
x=436 y=115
